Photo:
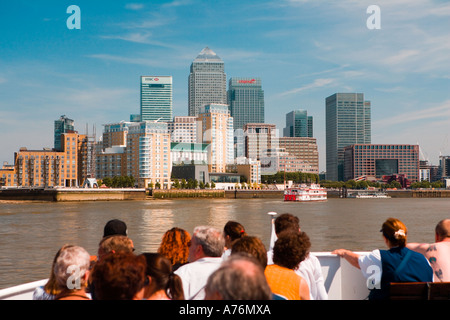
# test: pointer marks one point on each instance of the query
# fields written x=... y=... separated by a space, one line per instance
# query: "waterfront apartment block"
x=111 y=162
x=8 y=177
x=115 y=134
x=137 y=149
x=246 y=101
x=348 y=121
x=304 y=149
x=258 y=139
x=298 y=124
x=207 y=81
x=248 y=168
x=216 y=129
x=148 y=153
x=444 y=165
x=378 y=160
x=183 y=129
x=156 y=98
x=279 y=160
x=189 y=153
x=50 y=168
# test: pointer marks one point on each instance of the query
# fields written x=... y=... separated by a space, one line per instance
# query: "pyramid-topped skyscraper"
x=207 y=81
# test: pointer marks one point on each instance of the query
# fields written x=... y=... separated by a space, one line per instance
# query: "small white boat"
x=370 y=195
x=304 y=193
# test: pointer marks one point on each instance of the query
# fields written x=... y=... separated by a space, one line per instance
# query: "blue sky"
x=303 y=50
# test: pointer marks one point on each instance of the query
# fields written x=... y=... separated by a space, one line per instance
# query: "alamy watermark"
x=74 y=20
x=374 y=20
x=374 y=278
x=74 y=280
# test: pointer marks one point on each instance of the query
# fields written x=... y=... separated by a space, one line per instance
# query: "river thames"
x=32 y=232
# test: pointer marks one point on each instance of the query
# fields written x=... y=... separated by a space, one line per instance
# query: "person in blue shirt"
x=397 y=264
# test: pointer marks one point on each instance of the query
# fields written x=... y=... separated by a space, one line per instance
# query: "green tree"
x=176 y=184
x=107 y=181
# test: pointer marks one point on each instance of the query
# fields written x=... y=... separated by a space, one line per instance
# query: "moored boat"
x=370 y=195
x=306 y=193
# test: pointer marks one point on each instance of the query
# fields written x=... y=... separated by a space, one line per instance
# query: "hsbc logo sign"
x=161 y=79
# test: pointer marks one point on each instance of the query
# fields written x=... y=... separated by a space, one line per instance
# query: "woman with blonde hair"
x=397 y=264
x=51 y=289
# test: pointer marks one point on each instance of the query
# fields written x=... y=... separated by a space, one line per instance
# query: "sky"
x=303 y=51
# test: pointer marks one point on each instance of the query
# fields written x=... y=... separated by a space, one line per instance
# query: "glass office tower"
x=298 y=124
x=62 y=125
x=207 y=81
x=246 y=101
x=348 y=122
x=156 y=98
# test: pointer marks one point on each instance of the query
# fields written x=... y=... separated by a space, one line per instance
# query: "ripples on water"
x=32 y=232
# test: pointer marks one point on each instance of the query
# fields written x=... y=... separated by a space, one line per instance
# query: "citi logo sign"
x=246 y=81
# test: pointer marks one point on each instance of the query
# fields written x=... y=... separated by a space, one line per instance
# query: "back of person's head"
x=119 y=276
x=253 y=246
x=240 y=277
x=175 y=245
x=291 y=248
x=159 y=269
x=395 y=231
x=211 y=239
x=114 y=244
x=286 y=222
x=71 y=266
x=115 y=227
x=52 y=287
x=443 y=229
x=234 y=230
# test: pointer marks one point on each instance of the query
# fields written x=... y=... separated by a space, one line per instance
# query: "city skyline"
x=303 y=51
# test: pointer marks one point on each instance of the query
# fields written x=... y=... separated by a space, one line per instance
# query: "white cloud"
x=134 y=6
x=439 y=112
x=318 y=83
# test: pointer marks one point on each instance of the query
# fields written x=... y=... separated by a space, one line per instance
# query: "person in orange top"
x=290 y=249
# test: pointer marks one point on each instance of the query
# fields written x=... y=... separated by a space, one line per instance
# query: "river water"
x=32 y=232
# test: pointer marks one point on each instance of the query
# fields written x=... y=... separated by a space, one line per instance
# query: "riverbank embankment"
x=81 y=194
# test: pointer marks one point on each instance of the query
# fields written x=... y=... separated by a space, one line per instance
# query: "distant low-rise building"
x=380 y=160
x=50 y=168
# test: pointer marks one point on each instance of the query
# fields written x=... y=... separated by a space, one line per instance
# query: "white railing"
x=342 y=281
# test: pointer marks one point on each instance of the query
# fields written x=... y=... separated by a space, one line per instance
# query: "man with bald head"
x=438 y=253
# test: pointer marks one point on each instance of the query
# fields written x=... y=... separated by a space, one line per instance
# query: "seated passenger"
x=437 y=253
x=397 y=264
x=289 y=250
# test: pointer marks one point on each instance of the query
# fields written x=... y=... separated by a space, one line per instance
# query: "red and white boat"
x=304 y=193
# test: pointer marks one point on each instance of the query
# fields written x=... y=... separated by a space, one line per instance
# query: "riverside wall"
x=80 y=194
x=71 y=194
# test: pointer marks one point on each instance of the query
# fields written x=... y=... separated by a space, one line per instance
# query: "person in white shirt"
x=205 y=256
x=310 y=268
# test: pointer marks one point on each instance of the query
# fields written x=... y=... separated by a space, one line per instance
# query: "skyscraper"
x=156 y=98
x=246 y=101
x=62 y=125
x=348 y=122
x=207 y=81
x=298 y=124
